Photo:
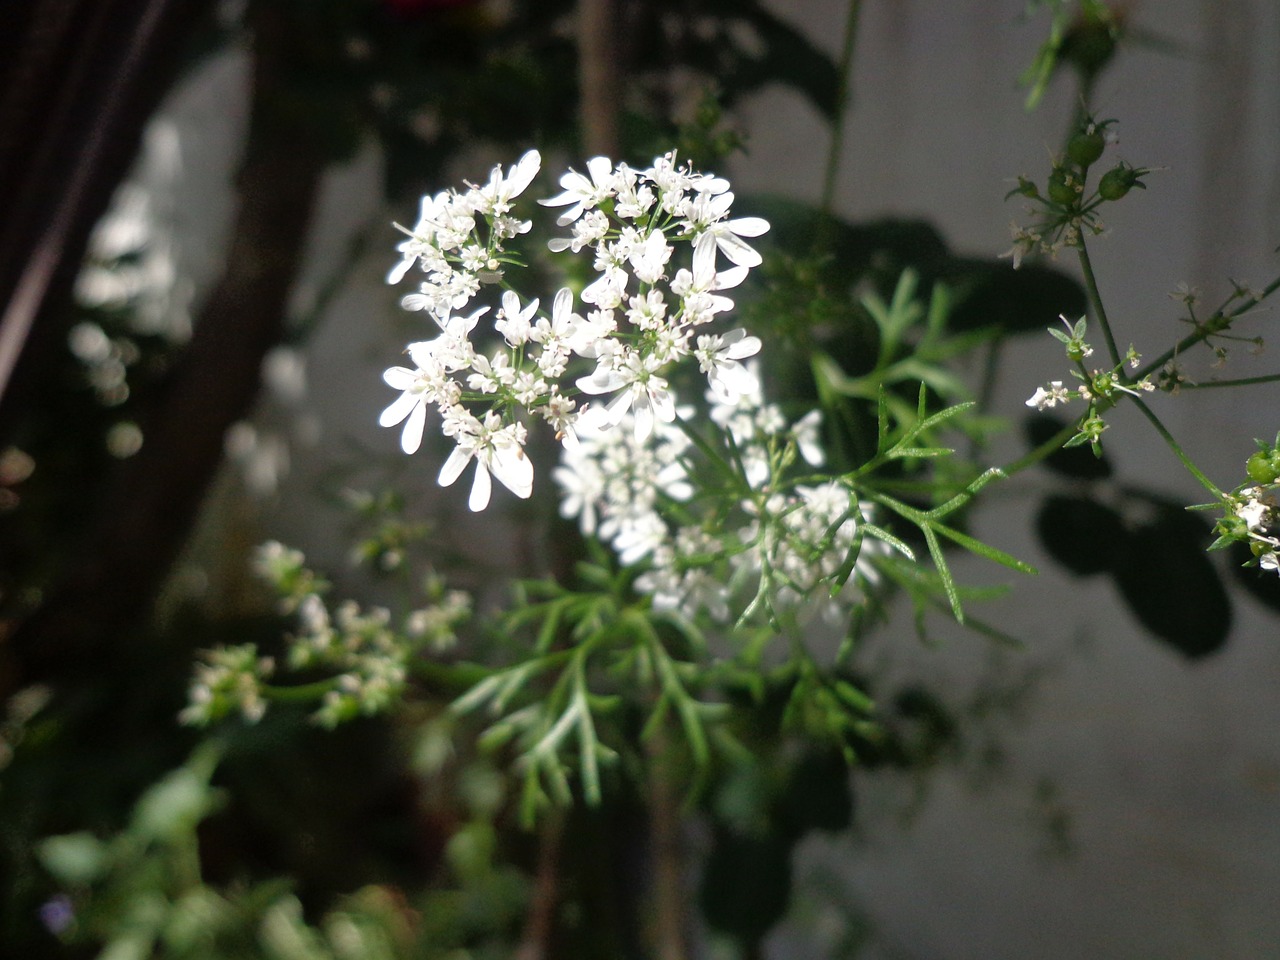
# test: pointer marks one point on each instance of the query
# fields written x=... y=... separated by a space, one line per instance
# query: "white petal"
x=514 y=469
x=643 y=414
x=560 y=199
x=748 y=226
x=617 y=408
x=727 y=279
x=602 y=381
x=399 y=378
x=396 y=274
x=743 y=348
x=600 y=168
x=737 y=250
x=411 y=437
x=480 y=489
x=454 y=465
x=663 y=405
x=704 y=260
x=524 y=171
x=422 y=353
x=562 y=306
x=398 y=410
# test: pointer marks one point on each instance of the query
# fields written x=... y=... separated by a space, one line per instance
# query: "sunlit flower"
x=496 y=449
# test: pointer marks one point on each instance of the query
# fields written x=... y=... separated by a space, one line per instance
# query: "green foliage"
x=586 y=704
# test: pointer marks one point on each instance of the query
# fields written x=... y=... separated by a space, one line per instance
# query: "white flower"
x=649 y=258
x=1042 y=399
x=429 y=383
x=718 y=358
x=699 y=304
x=495 y=448
x=806 y=431
x=641 y=392
x=584 y=194
x=1253 y=513
x=421 y=240
x=705 y=216
x=496 y=196
x=513 y=322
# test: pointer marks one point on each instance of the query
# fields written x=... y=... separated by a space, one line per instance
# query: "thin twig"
x=539 y=925
x=669 y=895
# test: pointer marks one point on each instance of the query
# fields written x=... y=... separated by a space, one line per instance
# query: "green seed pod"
x=1262 y=468
x=1086 y=147
x=1120 y=180
x=1060 y=188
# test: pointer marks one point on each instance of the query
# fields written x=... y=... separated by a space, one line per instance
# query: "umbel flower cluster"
x=601 y=369
x=655 y=237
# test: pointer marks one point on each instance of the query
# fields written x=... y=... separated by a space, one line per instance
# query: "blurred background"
x=199 y=200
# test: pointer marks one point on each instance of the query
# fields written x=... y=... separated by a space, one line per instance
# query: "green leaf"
x=944 y=572
x=984 y=550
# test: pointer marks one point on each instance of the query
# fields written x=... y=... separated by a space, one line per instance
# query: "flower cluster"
x=770 y=537
x=655 y=238
x=1098 y=388
x=1067 y=210
x=1256 y=508
x=366 y=657
x=1253 y=512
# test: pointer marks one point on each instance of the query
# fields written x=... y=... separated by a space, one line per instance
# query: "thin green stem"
x=1177 y=450
x=1095 y=300
x=1050 y=446
x=844 y=83
x=1241 y=382
x=1215 y=324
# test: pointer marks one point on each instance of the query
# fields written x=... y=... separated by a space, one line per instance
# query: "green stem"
x=1050 y=446
x=1177 y=450
x=1215 y=324
x=1242 y=382
x=844 y=83
x=1095 y=300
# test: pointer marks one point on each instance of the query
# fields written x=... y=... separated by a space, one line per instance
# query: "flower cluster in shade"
x=363 y=652
x=662 y=248
x=772 y=537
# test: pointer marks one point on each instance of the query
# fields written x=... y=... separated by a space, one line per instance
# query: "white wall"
x=1169 y=772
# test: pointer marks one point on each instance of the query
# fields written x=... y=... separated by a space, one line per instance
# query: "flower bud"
x=1120 y=180
x=1060 y=188
x=1262 y=468
x=1086 y=147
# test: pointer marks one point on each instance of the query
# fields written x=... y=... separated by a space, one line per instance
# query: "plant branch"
x=535 y=943
x=1177 y=450
x=669 y=896
x=1095 y=300
x=843 y=96
x=1241 y=382
x=1215 y=324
